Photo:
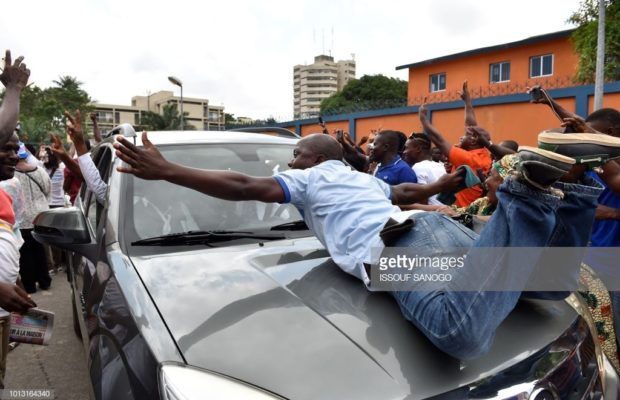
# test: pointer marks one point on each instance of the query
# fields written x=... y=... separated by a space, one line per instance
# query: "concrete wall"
x=505 y=117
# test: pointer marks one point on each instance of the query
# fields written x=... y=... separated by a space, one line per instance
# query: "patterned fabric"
x=599 y=302
x=507 y=165
x=481 y=206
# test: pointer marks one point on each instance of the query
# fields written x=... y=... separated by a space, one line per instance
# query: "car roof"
x=193 y=137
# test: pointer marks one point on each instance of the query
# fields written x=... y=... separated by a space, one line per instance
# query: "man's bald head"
x=314 y=149
x=322 y=144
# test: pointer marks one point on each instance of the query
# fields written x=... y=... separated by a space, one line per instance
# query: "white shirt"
x=345 y=209
x=92 y=178
x=9 y=260
x=57 y=194
x=427 y=172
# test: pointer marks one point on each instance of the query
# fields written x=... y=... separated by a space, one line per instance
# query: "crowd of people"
x=481 y=194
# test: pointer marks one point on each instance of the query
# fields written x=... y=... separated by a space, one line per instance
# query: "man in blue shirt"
x=391 y=169
x=348 y=210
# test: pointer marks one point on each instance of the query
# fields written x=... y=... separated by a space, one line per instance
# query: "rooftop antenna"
x=330 y=51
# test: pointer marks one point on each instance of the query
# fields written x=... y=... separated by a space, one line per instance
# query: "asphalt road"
x=61 y=366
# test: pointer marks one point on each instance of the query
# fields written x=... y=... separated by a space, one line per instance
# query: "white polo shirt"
x=345 y=209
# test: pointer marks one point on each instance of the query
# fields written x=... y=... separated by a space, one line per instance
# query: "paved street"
x=61 y=366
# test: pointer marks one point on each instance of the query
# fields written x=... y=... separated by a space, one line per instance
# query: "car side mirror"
x=65 y=228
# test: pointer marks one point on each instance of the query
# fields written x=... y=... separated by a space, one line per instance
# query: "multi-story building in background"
x=200 y=114
x=315 y=82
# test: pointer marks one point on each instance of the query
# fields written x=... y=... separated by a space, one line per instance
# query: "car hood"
x=282 y=316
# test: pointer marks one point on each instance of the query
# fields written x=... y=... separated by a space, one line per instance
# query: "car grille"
x=565 y=369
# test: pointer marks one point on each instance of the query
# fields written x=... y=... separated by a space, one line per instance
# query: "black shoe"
x=541 y=168
x=592 y=149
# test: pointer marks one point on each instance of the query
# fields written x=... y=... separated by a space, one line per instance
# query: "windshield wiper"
x=200 y=237
x=299 y=225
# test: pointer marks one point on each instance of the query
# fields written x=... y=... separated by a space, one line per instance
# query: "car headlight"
x=579 y=305
x=182 y=382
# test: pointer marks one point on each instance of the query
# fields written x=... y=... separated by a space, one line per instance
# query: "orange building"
x=498 y=78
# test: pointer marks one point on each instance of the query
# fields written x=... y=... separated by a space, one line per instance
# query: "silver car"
x=179 y=295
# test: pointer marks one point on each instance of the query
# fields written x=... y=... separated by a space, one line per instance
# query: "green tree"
x=42 y=109
x=229 y=118
x=585 y=39
x=368 y=92
x=168 y=120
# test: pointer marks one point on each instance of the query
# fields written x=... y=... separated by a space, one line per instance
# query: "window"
x=500 y=72
x=437 y=82
x=541 y=65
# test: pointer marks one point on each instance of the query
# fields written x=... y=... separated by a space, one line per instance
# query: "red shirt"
x=476 y=159
x=6 y=208
x=74 y=184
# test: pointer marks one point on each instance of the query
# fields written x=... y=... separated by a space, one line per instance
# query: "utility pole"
x=599 y=79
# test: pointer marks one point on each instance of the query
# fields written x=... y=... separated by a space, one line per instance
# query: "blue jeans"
x=462 y=322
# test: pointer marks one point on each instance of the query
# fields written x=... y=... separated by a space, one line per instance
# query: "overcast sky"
x=241 y=53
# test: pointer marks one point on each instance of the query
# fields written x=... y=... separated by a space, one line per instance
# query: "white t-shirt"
x=427 y=172
x=9 y=260
x=57 y=194
x=345 y=209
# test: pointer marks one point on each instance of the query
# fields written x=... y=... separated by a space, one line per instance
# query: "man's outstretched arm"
x=470 y=116
x=545 y=98
x=407 y=193
x=148 y=163
x=433 y=134
x=14 y=77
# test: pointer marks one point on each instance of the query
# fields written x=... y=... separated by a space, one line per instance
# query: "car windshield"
x=160 y=208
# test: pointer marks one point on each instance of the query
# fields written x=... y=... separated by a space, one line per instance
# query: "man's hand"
x=578 y=125
x=465 y=93
x=543 y=98
x=422 y=110
x=74 y=127
x=14 y=299
x=480 y=135
x=146 y=163
x=74 y=130
x=14 y=75
x=57 y=147
x=449 y=182
x=447 y=210
x=93 y=117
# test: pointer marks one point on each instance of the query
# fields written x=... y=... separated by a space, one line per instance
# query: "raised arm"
x=483 y=138
x=470 y=116
x=433 y=134
x=59 y=151
x=96 y=131
x=14 y=77
x=407 y=193
x=148 y=163
x=541 y=96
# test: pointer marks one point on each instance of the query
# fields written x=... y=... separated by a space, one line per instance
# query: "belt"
x=391 y=231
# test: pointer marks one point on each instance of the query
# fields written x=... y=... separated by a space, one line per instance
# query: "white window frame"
x=500 y=72
x=541 y=65
x=430 y=82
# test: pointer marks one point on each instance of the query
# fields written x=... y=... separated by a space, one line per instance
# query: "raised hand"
x=578 y=124
x=480 y=135
x=146 y=163
x=422 y=110
x=539 y=95
x=465 y=93
x=14 y=75
x=14 y=299
x=57 y=147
